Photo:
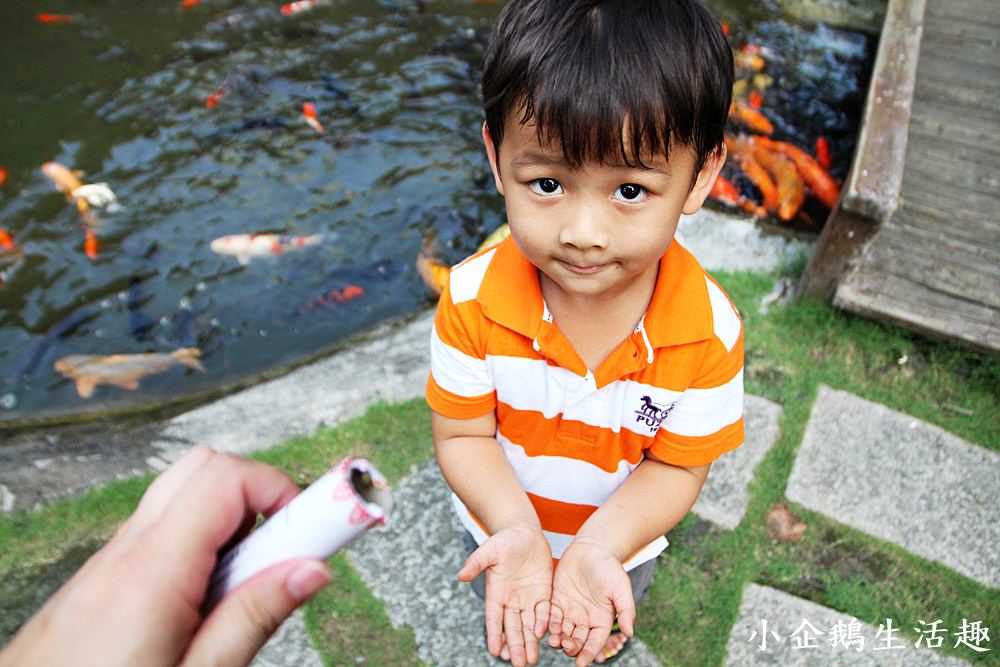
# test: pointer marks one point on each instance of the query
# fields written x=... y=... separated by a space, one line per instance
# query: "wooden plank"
x=937 y=262
x=874 y=293
x=872 y=186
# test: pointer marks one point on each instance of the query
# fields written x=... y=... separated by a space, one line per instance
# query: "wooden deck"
x=915 y=239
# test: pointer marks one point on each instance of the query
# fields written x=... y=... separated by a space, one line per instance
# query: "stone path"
x=894 y=477
x=903 y=481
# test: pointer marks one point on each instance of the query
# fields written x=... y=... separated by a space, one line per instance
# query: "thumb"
x=478 y=560
x=244 y=620
x=625 y=606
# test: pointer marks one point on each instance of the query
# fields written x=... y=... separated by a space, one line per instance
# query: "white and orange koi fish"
x=67 y=181
x=121 y=370
x=246 y=246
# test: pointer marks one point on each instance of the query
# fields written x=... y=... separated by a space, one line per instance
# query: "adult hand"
x=138 y=600
x=589 y=589
x=518 y=565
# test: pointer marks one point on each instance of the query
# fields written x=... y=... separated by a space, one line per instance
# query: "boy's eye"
x=630 y=192
x=546 y=186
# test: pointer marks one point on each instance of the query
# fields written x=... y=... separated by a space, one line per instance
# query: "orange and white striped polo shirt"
x=673 y=388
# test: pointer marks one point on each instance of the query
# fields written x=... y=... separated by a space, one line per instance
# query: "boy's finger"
x=494 y=627
x=474 y=565
x=512 y=630
x=596 y=640
x=555 y=625
x=529 y=624
x=541 y=618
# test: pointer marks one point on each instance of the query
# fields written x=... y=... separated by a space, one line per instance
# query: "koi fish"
x=299 y=6
x=820 y=183
x=67 y=181
x=309 y=113
x=245 y=246
x=3 y=175
x=755 y=99
x=725 y=28
x=53 y=18
x=823 y=152
x=333 y=297
x=212 y=100
x=434 y=273
x=723 y=190
x=744 y=114
x=6 y=240
x=121 y=370
x=742 y=152
x=188 y=4
x=748 y=61
x=91 y=245
x=791 y=189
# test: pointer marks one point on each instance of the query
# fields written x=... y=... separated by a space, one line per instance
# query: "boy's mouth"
x=576 y=268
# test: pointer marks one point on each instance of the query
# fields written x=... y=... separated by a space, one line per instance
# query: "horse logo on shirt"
x=652 y=414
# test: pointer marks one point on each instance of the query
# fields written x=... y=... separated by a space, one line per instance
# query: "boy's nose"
x=585 y=228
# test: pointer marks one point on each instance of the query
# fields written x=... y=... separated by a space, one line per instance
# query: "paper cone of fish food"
x=336 y=509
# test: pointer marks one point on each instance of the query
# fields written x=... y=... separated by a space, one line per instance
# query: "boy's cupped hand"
x=589 y=589
x=518 y=565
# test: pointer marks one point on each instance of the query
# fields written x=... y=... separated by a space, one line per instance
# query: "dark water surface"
x=120 y=93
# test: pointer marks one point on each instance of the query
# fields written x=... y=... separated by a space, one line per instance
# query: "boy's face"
x=598 y=231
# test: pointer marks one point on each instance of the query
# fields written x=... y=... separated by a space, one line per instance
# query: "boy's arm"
x=516 y=558
x=590 y=586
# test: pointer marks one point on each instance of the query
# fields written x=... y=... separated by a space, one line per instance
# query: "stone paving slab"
x=724 y=498
x=289 y=646
x=725 y=242
x=901 y=480
x=799 y=645
x=410 y=565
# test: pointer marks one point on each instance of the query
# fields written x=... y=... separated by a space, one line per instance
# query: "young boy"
x=585 y=372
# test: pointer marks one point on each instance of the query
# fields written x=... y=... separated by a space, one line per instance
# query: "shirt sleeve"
x=707 y=420
x=460 y=384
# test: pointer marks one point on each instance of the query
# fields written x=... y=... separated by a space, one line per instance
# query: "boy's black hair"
x=585 y=70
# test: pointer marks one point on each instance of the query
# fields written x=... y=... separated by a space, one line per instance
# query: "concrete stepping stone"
x=410 y=565
x=901 y=480
x=775 y=628
x=724 y=498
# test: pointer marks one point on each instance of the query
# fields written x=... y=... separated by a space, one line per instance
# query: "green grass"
x=687 y=616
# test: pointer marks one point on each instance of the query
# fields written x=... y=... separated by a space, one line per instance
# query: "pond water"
x=194 y=118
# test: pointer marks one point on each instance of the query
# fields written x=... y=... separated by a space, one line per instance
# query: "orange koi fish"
x=212 y=100
x=333 y=297
x=431 y=271
x=91 y=246
x=309 y=113
x=748 y=61
x=3 y=175
x=299 y=6
x=53 y=18
x=188 y=4
x=724 y=191
x=742 y=152
x=791 y=189
x=755 y=99
x=435 y=273
x=245 y=246
x=817 y=179
x=725 y=28
x=744 y=114
x=6 y=240
x=823 y=152
x=121 y=370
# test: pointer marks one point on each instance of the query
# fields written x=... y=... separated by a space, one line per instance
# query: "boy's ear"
x=491 y=153
x=704 y=181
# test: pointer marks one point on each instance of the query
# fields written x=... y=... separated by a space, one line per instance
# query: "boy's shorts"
x=641 y=576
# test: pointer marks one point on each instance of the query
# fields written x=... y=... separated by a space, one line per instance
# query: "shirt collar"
x=678 y=313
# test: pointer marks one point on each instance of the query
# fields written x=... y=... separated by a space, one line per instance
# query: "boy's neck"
x=597 y=325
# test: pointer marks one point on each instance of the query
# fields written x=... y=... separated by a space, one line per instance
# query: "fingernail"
x=306 y=579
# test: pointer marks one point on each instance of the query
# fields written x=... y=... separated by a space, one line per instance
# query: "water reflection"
x=198 y=127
